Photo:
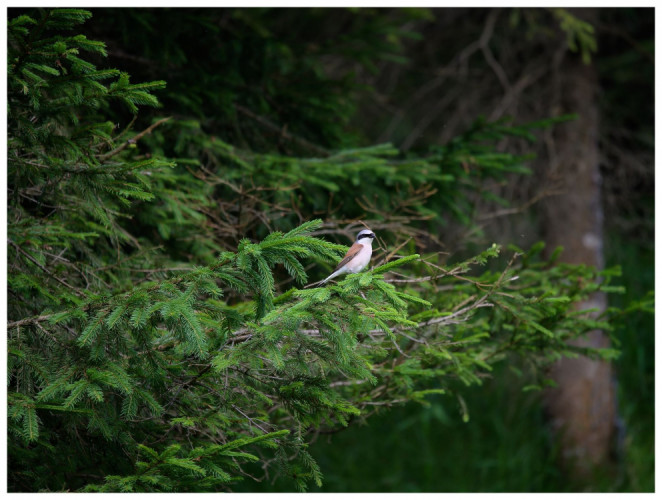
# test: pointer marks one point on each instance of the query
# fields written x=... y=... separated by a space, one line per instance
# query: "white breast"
x=360 y=261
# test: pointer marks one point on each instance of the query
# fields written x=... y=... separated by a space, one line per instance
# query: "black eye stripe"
x=369 y=235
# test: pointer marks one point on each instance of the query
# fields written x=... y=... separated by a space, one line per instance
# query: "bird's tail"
x=320 y=283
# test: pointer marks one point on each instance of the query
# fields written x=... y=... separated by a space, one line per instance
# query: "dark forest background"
x=305 y=82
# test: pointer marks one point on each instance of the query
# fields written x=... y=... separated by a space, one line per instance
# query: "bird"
x=356 y=258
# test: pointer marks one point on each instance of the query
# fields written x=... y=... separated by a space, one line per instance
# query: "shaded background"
x=302 y=81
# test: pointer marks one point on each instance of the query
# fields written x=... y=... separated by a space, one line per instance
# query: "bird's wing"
x=351 y=253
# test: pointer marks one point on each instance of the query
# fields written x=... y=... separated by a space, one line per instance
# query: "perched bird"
x=357 y=257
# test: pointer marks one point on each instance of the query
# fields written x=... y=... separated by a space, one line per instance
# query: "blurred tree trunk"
x=582 y=407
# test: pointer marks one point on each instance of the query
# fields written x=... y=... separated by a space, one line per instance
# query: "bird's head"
x=365 y=236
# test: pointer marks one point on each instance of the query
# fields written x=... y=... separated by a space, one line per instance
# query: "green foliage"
x=580 y=34
x=201 y=468
x=155 y=342
x=477 y=457
x=634 y=332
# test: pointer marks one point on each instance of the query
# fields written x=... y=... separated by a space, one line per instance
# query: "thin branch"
x=133 y=140
x=35 y=262
x=251 y=420
x=28 y=321
x=545 y=193
x=280 y=130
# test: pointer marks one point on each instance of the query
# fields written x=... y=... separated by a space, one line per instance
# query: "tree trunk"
x=582 y=408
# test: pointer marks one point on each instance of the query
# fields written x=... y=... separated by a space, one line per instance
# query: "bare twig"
x=35 y=262
x=28 y=321
x=133 y=140
x=280 y=130
x=545 y=193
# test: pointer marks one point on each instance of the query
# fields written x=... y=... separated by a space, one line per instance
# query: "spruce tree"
x=159 y=335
